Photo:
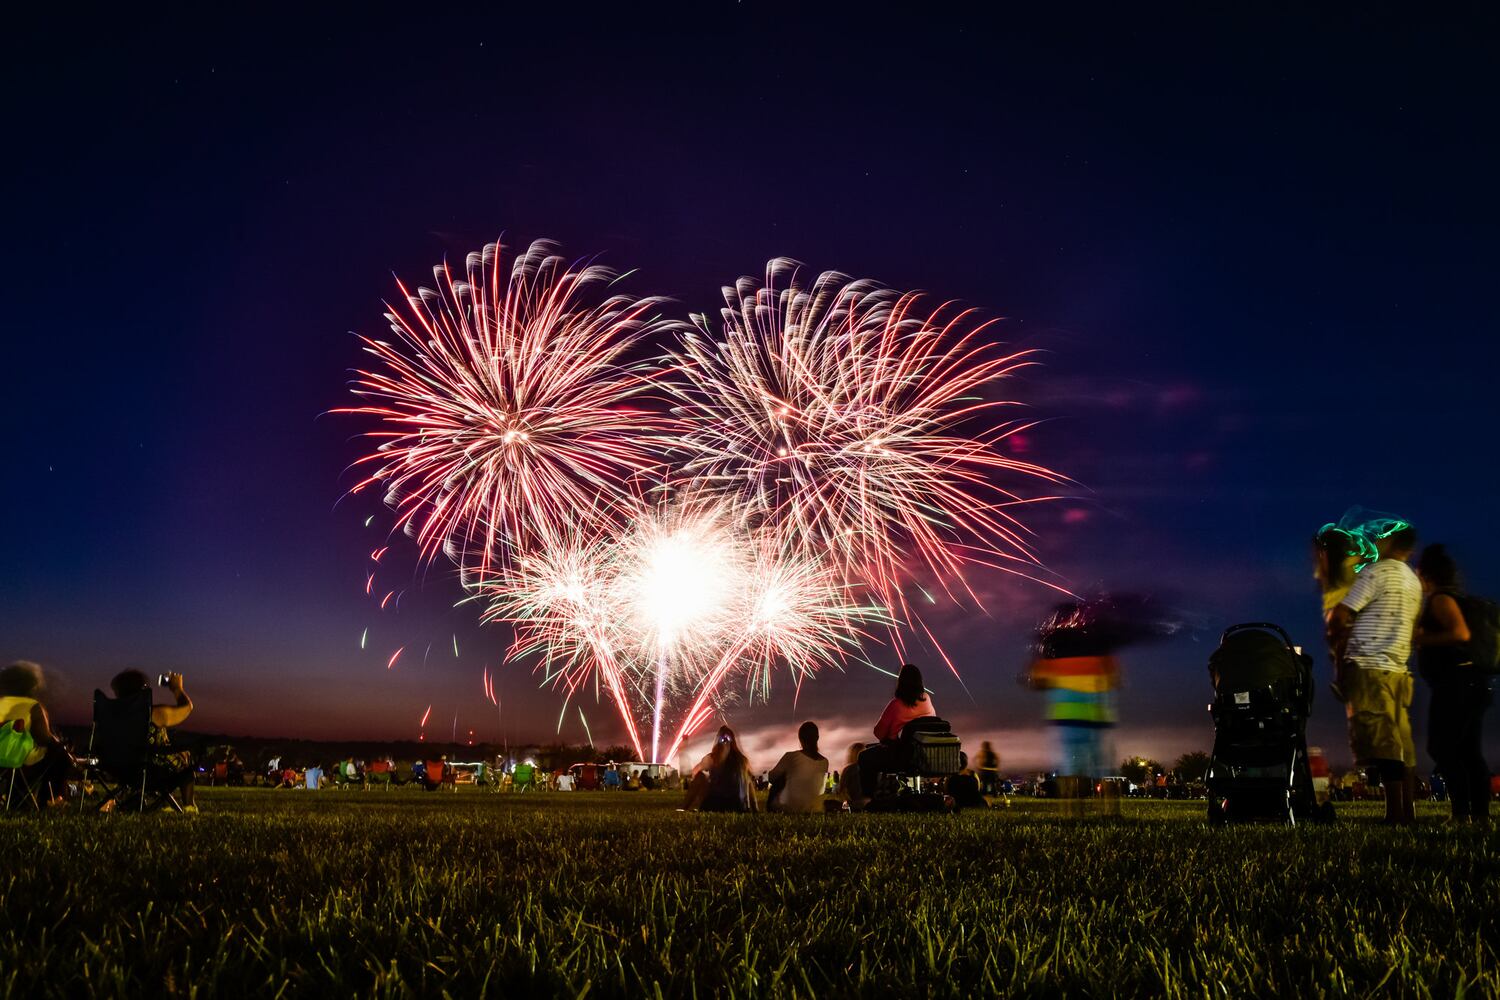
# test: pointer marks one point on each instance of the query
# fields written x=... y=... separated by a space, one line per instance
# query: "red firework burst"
x=508 y=409
x=861 y=425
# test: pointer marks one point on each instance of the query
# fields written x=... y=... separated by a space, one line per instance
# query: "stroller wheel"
x=1218 y=812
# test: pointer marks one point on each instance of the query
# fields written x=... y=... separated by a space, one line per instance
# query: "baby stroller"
x=1263 y=690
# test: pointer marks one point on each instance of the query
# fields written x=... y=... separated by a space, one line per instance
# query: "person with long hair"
x=40 y=754
x=909 y=702
x=1460 y=690
x=798 y=779
x=1338 y=554
x=722 y=781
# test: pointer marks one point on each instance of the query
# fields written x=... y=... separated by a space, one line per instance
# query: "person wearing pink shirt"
x=910 y=702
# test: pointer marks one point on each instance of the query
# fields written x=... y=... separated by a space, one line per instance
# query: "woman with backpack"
x=1460 y=687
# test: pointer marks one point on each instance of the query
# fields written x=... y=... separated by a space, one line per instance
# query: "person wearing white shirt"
x=1371 y=630
x=798 y=779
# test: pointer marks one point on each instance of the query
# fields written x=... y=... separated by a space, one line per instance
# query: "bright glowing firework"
x=505 y=405
x=794 y=610
x=858 y=424
x=682 y=580
x=834 y=437
x=679 y=604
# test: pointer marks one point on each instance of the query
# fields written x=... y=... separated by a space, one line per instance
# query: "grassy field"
x=402 y=893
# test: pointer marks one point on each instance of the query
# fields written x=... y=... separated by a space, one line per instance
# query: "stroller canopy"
x=1251 y=656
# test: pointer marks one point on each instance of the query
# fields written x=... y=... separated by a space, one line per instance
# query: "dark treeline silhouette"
x=256 y=751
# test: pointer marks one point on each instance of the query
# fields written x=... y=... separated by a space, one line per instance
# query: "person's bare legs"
x=1393 y=775
x=697 y=791
x=1409 y=796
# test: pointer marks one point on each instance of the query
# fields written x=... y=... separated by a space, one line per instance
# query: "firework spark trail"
x=489 y=692
x=504 y=405
x=683 y=601
x=858 y=423
x=558 y=603
x=796 y=610
x=834 y=439
x=680 y=578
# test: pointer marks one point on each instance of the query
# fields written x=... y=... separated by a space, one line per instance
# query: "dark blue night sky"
x=1259 y=252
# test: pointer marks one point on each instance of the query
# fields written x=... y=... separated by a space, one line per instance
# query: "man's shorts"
x=1378 y=704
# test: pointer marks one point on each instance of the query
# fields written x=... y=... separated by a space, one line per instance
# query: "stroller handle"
x=1264 y=626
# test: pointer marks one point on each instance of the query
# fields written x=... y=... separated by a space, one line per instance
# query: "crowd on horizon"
x=1378 y=612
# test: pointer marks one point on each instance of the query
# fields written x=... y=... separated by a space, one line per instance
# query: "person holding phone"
x=721 y=781
x=173 y=768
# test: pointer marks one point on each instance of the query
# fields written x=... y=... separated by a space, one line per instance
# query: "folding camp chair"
x=346 y=775
x=16 y=745
x=120 y=747
x=379 y=774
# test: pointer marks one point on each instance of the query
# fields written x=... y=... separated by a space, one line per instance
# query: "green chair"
x=524 y=777
x=16 y=745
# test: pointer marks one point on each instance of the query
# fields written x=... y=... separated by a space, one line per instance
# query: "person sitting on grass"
x=963 y=787
x=40 y=754
x=909 y=702
x=171 y=769
x=722 y=780
x=798 y=779
x=848 y=788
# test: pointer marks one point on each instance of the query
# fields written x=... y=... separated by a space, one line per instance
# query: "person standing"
x=1370 y=632
x=1075 y=665
x=1460 y=689
x=988 y=770
x=1338 y=555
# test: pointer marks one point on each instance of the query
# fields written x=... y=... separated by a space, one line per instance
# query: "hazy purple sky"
x=1256 y=249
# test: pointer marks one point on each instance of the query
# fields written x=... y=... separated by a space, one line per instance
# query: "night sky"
x=1259 y=253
